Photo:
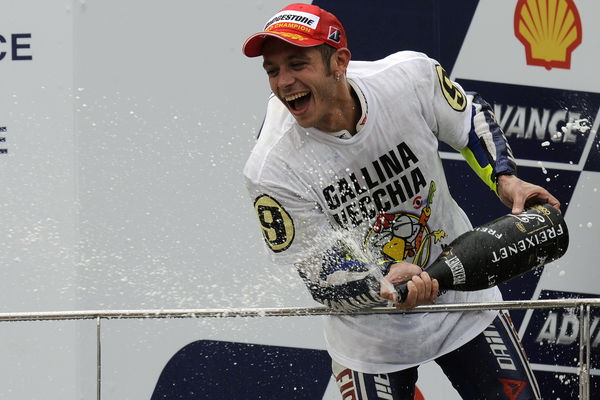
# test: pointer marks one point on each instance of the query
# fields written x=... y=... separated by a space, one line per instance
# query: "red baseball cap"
x=300 y=24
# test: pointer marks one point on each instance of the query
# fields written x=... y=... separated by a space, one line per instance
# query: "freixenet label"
x=534 y=240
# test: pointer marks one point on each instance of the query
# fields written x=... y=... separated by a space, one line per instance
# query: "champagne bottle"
x=499 y=250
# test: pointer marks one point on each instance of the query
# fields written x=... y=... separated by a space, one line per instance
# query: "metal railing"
x=584 y=307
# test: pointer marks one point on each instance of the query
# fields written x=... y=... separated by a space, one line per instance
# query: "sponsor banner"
x=553 y=136
x=554 y=333
x=420 y=27
x=15 y=47
x=543 y=126
x=267 y=372
x=552 y=341
x=519 y=56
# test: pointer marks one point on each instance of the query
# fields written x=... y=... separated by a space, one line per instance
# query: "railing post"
x=98 y=359
x=584 y=352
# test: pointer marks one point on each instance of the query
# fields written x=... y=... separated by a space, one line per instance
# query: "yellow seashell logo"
x=550 y=30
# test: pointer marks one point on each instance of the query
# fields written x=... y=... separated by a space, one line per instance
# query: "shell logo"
x=550 y=30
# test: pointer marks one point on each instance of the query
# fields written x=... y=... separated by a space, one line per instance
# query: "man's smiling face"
x=300 y=79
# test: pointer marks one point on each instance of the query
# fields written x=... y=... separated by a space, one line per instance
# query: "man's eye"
x=298 y=65
x=271 y=72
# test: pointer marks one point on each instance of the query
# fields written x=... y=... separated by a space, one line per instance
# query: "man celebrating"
x=348 y=186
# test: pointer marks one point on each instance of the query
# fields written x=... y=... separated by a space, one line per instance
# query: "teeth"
x=295 y=96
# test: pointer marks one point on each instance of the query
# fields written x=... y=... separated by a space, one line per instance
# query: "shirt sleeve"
x=296 y=232
x=466 y=122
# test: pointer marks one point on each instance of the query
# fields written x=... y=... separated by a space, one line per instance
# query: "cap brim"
x=254 y=44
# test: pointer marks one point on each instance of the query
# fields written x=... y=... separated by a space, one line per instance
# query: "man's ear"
x=340 y=60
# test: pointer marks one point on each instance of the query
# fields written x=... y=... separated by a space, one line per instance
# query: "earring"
x=337 y=77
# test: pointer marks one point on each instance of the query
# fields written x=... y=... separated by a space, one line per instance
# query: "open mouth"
x=299 y=101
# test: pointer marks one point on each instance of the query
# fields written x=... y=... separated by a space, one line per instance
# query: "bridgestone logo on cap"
x=298 y=17
x=334 y=34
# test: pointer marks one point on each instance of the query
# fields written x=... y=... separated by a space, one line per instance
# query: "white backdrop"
x=122 y=189
x=126 y=135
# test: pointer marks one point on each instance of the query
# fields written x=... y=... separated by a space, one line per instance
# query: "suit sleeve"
x=487 y=151
x=337 y=279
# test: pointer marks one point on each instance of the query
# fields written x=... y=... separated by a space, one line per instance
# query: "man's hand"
x=518 y=194
x=421 y=288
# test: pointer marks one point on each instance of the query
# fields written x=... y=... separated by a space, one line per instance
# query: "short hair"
x=327 y=51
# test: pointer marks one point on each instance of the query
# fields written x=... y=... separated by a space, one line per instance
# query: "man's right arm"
x=337 y=280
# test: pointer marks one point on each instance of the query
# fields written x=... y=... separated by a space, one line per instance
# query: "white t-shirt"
x=383 y=194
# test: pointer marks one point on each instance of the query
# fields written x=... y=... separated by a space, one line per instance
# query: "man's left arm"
x=488 y=153
x=466 y=122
